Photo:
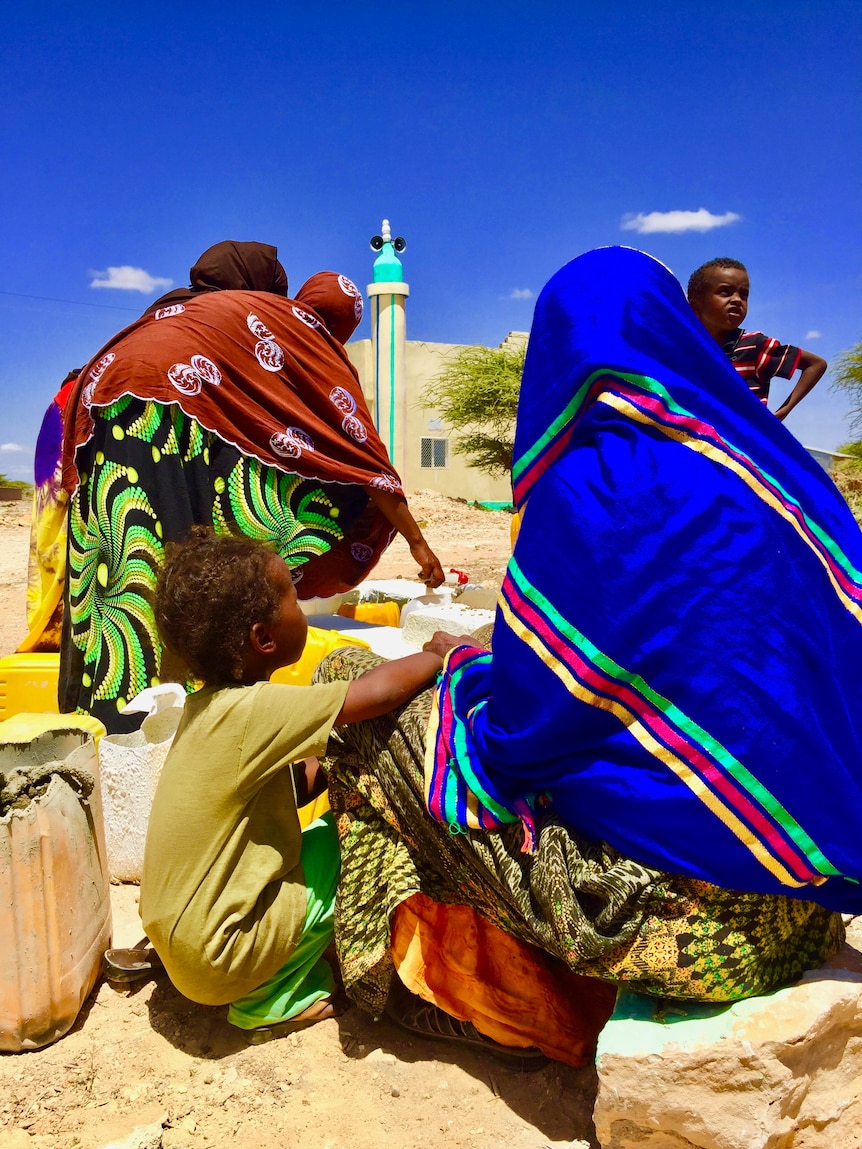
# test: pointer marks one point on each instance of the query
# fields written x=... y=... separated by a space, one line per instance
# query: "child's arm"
x=388 y=686
x=377 y=692
x=308 y=781
x=813 y=368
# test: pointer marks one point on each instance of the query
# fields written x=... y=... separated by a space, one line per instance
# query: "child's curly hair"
x=209 y=594
x=697 y=280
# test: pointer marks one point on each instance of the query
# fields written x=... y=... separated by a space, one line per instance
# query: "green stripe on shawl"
x=693 y=733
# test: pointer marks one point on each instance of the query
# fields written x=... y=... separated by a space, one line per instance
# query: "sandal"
x=133 y=964
x=318 y=1011
x=419 y=1017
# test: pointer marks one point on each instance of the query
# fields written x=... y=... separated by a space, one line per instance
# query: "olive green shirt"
x=223 y=896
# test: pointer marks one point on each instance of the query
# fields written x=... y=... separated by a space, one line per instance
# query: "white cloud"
x=11 y=447
x=676 y=222
x=813 y=334
x=520 y=293
x=128 y=278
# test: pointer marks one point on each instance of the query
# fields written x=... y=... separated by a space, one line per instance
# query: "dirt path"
x=14 y=546
x=152 y=1059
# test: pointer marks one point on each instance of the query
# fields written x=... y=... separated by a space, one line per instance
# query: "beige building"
x=395 y=374
x=423 y=449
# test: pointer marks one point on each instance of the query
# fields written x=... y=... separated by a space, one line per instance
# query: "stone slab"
x=782 y=1071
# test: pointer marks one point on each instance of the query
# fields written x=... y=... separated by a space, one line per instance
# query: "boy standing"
x=718 y=294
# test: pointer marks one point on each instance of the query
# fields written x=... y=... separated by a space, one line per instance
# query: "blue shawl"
x=677 y=654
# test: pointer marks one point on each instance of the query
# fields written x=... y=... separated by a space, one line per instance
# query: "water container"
x=441 y=597
x=318 y=644
x=28 y=682
x=130 y=766
x=55 y=907
x=377 y=613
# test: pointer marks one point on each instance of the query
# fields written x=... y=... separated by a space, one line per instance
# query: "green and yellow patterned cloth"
x=151 y=473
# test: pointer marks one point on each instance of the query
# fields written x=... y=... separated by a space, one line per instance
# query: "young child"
x=718 y=293
x=235 y=899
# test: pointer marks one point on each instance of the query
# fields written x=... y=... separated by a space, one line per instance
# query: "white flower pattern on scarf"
x=308 y=320
x=342 y=400
x=350 y=288
x=94 y=376
x=189 y=378
x=291 y=442
x=385 y=482
x=267 y=351
x=361 y=552
x=355 y=428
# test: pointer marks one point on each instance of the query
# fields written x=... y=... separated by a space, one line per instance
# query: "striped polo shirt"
x=759 y=359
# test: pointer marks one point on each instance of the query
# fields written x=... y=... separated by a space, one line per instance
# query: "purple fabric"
x=48 y=445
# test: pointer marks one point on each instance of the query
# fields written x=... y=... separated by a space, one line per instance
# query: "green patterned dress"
x=147 y=475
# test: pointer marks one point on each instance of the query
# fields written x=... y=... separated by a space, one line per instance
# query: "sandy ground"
x=152 y=1059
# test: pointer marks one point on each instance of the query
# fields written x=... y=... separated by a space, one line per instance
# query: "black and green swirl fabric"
x=147 y=475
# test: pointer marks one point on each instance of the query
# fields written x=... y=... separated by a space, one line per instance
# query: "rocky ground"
x=150 y=1070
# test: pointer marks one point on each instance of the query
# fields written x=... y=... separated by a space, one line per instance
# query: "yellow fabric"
x=24 y=727
x=223 y=895
x=512 y=992
x=514 y=527
x=46 y=570
x=314 y=810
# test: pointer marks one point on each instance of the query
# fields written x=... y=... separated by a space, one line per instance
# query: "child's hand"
x=441 y=642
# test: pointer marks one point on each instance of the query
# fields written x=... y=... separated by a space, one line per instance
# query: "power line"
x=74 y=302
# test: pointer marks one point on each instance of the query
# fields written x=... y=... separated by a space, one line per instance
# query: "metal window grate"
x=433 y=453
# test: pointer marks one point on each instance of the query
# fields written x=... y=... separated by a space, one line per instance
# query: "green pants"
x=306 y=977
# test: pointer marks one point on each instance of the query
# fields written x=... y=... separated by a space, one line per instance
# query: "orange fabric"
x=511 y=991
x=336 y=299
x=255 y=369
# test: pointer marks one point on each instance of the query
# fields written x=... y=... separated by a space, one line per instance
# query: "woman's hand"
x=441 y=643
x=394 y=507
x=431 y=573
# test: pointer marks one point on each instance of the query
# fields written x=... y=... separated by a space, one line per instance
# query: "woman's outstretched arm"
x=395 y=508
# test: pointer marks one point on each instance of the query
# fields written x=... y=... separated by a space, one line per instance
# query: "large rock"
x=782 y=1071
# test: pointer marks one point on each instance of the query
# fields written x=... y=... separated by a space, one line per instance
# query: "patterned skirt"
x=602 y=914
x=148 y=475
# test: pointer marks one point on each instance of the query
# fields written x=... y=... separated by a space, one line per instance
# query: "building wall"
x=423 y=363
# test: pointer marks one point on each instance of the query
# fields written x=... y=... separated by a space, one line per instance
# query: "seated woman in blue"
x=656 y=773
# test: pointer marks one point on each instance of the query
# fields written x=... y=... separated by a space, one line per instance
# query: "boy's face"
x=290 y=627
x=723 y=305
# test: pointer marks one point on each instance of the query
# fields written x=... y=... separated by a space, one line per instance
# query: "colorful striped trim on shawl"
x=646 y=401
x=709 y=770
x=457 y=790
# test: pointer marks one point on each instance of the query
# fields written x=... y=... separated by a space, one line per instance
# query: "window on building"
x=433 y=453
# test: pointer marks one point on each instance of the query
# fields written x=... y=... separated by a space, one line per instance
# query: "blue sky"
x=501 y=140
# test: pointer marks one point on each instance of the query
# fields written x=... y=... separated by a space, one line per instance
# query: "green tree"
x=847 y=376
x=4 y=482
x=476 y=394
